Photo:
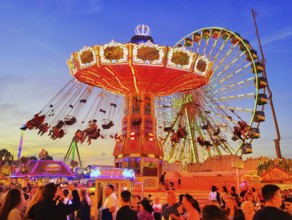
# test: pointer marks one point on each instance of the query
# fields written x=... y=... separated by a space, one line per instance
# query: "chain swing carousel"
x=200 y=98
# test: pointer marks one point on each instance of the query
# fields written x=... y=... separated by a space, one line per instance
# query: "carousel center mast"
x=140 y=70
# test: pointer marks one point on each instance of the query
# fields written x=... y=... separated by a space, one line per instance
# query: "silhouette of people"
x=203 y=143
x=79 y=136
x=35 y=122
x=237 y=133
x=174 y=137
x=181 y=132
x=43 y=128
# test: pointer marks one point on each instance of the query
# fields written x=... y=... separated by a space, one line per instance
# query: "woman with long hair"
x=248 y=210
x=192 y=212
x=37 y=197
x=146 y=210
x=12 y=206
x=231 y=209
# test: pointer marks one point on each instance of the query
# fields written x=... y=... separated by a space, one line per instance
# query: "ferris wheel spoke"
x=241 y=84
x=224 y=58
x=236 y=97
x=214 y=45
x=226 y=66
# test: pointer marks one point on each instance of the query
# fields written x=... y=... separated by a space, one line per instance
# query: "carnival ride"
x=205 y=96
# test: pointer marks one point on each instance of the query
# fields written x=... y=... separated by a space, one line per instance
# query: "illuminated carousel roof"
x=140 y=66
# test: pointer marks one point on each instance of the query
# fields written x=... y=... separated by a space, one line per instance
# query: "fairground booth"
x=42 y=171
x=120 y=178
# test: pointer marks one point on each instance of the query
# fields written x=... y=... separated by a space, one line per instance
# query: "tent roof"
x=44 y=168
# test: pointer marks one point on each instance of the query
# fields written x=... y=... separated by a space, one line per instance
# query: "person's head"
x=82 y=194
x=233 y=189
x=49 y=191
x=126 y=196
x=109 y=189
x=224 y=188
x=13 y=199
x=214 y=188
x=213 y=212
x=145 y=205
x=156 y=200
x=171 y=198
x=247 y=208
x=187 y=201
x=288 y=205
x=65 y=192
x=180 y=197
x=272 y=195
x=249 y=197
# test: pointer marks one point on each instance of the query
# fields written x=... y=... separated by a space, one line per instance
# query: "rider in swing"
x=92 y=132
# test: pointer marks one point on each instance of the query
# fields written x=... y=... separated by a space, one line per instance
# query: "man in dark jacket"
x=272 y=211
x=50 y=209
x=125 y=212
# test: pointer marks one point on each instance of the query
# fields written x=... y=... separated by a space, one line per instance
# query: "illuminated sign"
x=52 y=167
x=187 y=98
x=112 y=173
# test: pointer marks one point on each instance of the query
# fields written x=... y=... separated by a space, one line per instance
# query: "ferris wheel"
x=223 y=116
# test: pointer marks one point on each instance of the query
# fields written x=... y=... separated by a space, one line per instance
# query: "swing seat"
x=60 y=124
x=103 y=111
x=61 y=133
x=113 y=104
x=181 y=133
x=217 y=132
x=205 y=127
x=167 y=129
x=107 y=124
x=95 y=135
x=70 y=120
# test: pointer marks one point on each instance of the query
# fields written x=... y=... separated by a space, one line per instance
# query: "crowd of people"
x=53 y=202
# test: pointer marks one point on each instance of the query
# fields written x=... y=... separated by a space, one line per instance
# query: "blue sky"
x=37 y=38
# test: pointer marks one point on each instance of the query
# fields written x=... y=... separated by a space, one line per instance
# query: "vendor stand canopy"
x=44 y=168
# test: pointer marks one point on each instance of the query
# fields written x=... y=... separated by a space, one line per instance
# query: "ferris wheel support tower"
x=278 y=138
